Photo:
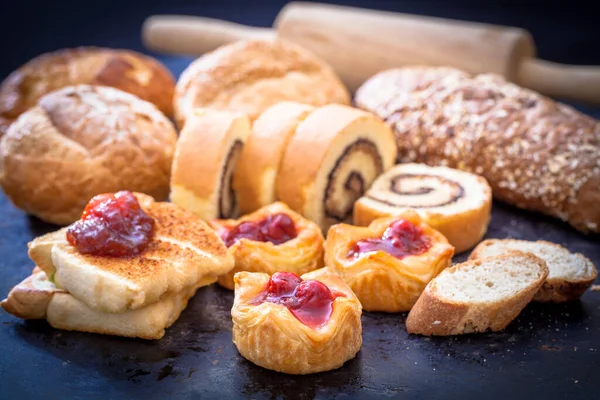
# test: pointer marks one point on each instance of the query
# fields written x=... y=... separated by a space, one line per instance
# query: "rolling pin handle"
x=188 y=35
x=579 y=83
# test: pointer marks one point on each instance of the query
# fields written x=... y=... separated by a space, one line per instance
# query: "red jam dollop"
x=402 y=238
x=112 y=225
x=276 y=228
x=310 y=301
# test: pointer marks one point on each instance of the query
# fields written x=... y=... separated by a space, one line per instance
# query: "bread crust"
x=434 y=316
x=132 y=72
x=270 y=336
x=256 y=172
x=536 y=154
x=554 y=290
x=300 y=255
x=80 y=141
x=279 y=70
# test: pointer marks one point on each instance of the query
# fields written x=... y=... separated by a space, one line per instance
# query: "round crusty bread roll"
x=205 y=157
x=330 y=161
x=251 y=75
x=80 y=141
x=258 y=165
x=129 y=71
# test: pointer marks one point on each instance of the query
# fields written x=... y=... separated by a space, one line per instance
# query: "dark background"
x=548 y=352
x=564 y=31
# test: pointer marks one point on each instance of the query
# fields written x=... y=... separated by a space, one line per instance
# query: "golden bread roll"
x=256 y=171
x=251 y=75
x=275 y=337
x=331 y=160
x=127 y=70
x=383 y=281
x=536 y=153
x=206 y=155
x=80 y=141
x=456 y=203
x=299 y=254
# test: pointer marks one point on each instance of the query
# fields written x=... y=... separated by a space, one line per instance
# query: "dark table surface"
x=549 y=351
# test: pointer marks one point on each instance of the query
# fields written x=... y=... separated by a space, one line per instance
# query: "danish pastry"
x=250 y=76
x=456 y=203
x=331 y=160
x=296 y=325
x=273 y=238
x=389 y=263
x=256 y=171
x=205 y=157
x=132 y=72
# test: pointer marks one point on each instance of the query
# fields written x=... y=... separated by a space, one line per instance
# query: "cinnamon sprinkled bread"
x=536 y=153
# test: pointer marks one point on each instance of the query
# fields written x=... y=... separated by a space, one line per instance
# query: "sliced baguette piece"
x=570 y=273
x=183 y=252
x=36 y=297
x=478 y=295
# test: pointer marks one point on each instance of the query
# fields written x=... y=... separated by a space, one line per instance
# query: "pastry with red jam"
x=296 y=324
x=128 y=251
x=271 y=239
x=389 y=263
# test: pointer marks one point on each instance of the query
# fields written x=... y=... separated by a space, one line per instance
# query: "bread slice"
x=38 y=298
x=478 y=295
x=570 y=273
x=183 y=253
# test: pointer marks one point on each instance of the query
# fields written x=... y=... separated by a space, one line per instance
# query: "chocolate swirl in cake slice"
x=207 y=151
x=331 y=160
x=228 y=204
x=456 y=203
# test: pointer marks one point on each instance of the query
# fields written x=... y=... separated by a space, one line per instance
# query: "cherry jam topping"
x=112 y=225
x=310 y=301
x=402 y=238
x=276 y=228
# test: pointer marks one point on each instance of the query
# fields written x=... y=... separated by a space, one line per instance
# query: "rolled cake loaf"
x=456 y=203
x=207 y=151
x=256 y=171
x=331 y=160
x=535 y=153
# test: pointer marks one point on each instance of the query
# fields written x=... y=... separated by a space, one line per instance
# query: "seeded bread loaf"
x=536 y=153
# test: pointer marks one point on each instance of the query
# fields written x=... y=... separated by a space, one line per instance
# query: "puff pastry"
x=205 y=157
x=363 y=256
x=256 y=172
x=456 y=203
x=331 y=160
x=273 y=336
x=299 y=252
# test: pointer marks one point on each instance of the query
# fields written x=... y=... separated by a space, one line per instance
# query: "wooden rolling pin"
x=358 y=43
